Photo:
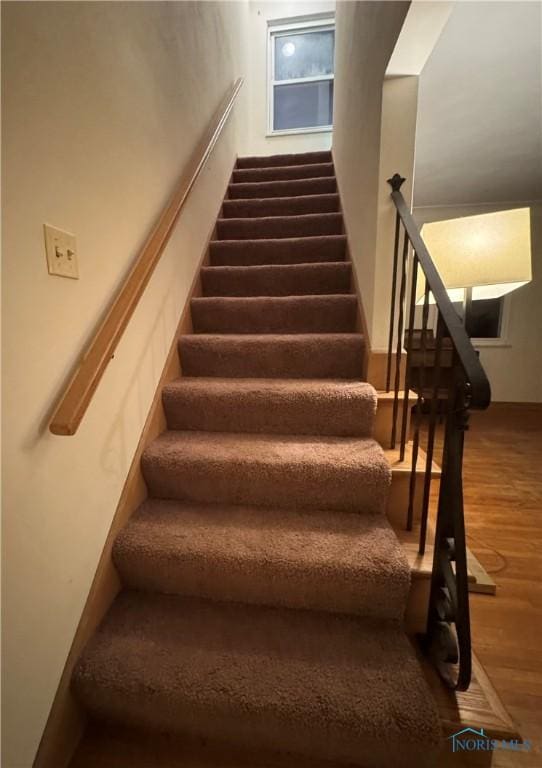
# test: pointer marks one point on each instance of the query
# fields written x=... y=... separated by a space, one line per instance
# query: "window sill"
x=293 y=131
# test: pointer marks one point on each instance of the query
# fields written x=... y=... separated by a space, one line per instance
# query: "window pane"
x=304 y=55
x=484 y=318
x=303 y=105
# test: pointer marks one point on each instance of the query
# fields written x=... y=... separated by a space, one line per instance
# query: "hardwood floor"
x=503 y=510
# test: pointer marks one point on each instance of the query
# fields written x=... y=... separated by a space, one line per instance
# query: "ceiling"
x=479 y=136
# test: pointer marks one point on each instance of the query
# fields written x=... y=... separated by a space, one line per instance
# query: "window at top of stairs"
x=301 y=76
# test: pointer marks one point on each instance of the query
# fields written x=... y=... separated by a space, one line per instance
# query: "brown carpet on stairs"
x=292 y=356
x=115 y=746
x=318 y=560
x=264 y=589
x=277 y=279
x=271 y=406
x=328 y=686
x=275 y=314
x=293 y=250
x=291 y=470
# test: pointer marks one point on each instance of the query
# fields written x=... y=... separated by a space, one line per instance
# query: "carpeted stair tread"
x=284 y=172
x=286 y=471
x=274 y=314
x=291 y=250
x=280 y=206
x=324 y=686
x=292 y=356
x=268 y=161
x=339 y=562
x=271 y=406
x=284 y=188
x=272 y=227
x=277 y=279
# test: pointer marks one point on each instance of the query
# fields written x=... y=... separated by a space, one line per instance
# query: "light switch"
x=61 y=252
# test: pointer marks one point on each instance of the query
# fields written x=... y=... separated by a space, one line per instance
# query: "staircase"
x=264 y=589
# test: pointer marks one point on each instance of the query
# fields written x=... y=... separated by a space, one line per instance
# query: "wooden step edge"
x=404 y=467
x=387 y=397
x=421 y=565
x=480 y=581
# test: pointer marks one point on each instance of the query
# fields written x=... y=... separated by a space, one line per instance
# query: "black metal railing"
x=444 y=373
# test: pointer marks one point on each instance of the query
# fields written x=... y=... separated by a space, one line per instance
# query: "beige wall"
x=514 y=367
x=366 y=34
x=397 y=145
x=480 y=122
x=260 y=13
x=102 y=105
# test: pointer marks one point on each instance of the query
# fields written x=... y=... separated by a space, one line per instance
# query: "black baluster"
x=393 y=294
x=412 y=307
x=399 y=340
x=431 y=433
x=418 y=419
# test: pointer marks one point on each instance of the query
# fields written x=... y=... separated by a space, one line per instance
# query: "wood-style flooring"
x=503 y=510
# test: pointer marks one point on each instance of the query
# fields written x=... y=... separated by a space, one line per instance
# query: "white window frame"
x=275 y=29
x=502 y=340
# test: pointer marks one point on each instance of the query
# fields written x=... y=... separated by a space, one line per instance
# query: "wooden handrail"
x=77 y=395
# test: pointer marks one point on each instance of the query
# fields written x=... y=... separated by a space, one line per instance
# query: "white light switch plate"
x=61 y=251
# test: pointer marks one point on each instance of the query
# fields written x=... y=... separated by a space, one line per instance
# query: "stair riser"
x=289 y=172
x=417 y=607
x=280 y=206
x=197 y=574
x=309 y=225
x=268 y=252
x=276 y=280
x=275 y=315
x=250 y=190
x=306 y=158
x=263 y=412
x=284 y=486
x=397 y=506
x=316 y=359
